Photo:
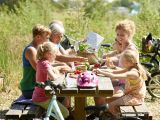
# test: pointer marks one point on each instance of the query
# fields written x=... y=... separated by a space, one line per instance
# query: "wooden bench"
x=140 y=111
x=24 y=112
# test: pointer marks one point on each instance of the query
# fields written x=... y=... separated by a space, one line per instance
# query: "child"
x=134 y=76
x=46 y=54
x=40 y=34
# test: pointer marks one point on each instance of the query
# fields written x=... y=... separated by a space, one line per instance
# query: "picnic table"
x=105 y=88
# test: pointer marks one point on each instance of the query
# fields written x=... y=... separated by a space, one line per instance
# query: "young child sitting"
x=134 y=76
x=46 y=54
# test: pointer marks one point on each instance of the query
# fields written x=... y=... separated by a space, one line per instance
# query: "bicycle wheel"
x=153 y=85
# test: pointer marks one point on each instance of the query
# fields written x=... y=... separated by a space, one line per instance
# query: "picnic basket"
x=92 y=57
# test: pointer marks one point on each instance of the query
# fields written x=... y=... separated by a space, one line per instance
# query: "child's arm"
x=117 y=70
x=64 y=69
x=132 y=74
x=53 y=75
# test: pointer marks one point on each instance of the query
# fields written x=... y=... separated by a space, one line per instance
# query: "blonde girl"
x=46 y=54
x=134 y=76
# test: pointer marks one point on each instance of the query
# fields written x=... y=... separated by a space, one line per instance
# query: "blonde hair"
x=46 y=47
x=57 y=27
x=131 y=57
x=40 y=30
x=127 y=26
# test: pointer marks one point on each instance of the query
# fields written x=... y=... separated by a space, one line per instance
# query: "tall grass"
x=16 y=23
x=15 y=33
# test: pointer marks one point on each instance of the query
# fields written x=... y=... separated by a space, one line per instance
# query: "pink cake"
x=87 y=80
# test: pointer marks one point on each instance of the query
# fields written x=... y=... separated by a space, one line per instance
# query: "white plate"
x=71 y=82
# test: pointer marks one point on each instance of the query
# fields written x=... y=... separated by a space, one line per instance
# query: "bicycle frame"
x=57 y=113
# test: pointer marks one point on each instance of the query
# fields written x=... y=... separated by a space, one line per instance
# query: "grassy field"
x=17 y=20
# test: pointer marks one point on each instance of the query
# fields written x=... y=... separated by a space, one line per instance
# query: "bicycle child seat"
x=149 y=44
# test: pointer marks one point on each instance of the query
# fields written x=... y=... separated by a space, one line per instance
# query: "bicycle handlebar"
x=106 y=45
x=49 y=85
x=148 y=65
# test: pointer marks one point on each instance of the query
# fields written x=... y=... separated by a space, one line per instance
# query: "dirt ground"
x=7 y=97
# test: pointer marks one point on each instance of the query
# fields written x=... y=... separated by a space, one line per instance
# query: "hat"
x=87 y=79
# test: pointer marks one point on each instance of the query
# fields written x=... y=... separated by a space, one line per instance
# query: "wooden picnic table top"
x=104 y=88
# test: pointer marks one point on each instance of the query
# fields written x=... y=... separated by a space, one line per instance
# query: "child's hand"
x=97 y=71
x=65 y=69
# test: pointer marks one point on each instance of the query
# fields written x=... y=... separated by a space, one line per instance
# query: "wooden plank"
x=87 y=91
x=69 y=91
x=104 y=85
x=142 y=110
x=15 y=111
x=127 y=111
x=31 y=111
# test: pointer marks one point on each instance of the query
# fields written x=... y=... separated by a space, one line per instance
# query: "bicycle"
x=51 y=88
x=150 y=60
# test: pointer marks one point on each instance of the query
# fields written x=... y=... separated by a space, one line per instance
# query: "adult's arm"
x=65 y=58
x=30 y=55
x=62 y=50
x=110 y=54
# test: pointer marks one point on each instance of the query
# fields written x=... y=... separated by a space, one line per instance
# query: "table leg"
x=80 y=113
